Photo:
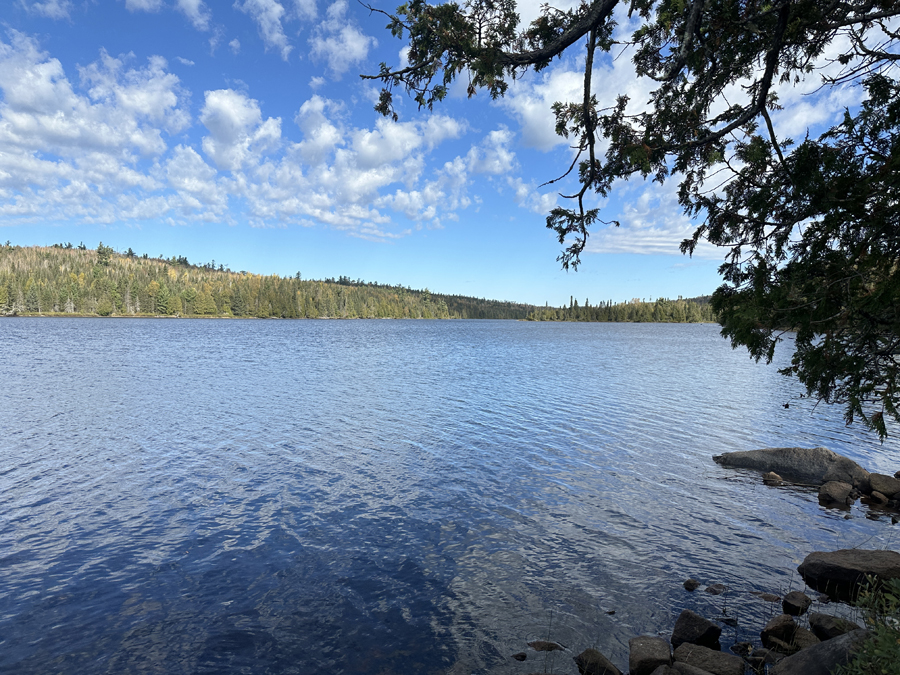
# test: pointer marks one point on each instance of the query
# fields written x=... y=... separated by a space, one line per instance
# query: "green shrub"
x=880 y=653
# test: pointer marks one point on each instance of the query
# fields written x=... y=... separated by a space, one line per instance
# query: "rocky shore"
x=797 y=641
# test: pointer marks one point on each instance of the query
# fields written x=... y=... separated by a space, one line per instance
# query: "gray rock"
x=795 y=603
x=823 y=658
x=877 y=497
x=811 y=466
x=886 y=485
x=717 y=663
x=804 y=639
x=835 y=493
x=691 y=585
x=688 y=669
x=693 y=628
x=665 y=670
x=781 y=627
x=839 y=573
x=716 y=589
x=766 y=655
x=826 y=627
x=592 y=662
x=646 y=653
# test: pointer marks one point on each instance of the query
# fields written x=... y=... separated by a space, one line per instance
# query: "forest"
x=71 y=280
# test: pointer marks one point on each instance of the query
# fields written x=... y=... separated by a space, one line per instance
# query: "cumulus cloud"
x=268 y=15
x=493 y=155
x=235 y=46
x=305 y=9
x=51 y=9
x=196 y=11
x=339 y=42
x=238 y=135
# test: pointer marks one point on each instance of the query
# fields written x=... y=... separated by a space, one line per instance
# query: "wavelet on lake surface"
x=389 y=496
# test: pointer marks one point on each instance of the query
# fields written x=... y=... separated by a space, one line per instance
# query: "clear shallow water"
x=388 y=496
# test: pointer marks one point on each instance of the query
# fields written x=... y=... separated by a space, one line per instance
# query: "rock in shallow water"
x=823 y=658
x=647 y=653
x=826 y=627
x=545 y=646
x=812 y=466
x=710 y=660
x=840 y=573
x=691 y=585
x=795 y=603
x=592 y=662
x=693 y=628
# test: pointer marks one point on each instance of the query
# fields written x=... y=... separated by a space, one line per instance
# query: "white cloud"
x=305 y=9
x=143 y=5
x=340 y=43
x=493 y=155
x=51 y=9
x=528 y=197
x=235 y=46
x=196 y=11
x=238 y=135
x=184 y=61
x=268 y=15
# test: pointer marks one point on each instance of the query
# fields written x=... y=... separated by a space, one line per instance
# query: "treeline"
x=690 y=310
x=62 y=279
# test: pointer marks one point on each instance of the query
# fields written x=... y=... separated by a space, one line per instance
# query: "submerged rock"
x=545 y=646
x=772 y=478
x=812 y=466
x=716 y=589
x=840 y=573
x=691 y=585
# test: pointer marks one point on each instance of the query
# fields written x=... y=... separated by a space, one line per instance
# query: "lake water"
x=389 y=496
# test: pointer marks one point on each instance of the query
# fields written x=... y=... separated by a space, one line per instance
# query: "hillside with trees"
x=691 y=310
x=77 y=281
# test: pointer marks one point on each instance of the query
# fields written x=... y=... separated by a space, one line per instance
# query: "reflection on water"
x=387 y=496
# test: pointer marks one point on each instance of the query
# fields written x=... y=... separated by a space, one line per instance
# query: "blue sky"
x=241 y=132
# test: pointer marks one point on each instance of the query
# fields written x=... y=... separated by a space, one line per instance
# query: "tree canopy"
x=809 y=227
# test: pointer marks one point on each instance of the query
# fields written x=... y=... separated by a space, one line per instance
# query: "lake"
x=215 y=496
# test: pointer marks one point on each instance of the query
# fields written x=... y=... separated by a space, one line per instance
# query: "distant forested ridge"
x=66 y=280
x=62 y=279
x=690 y=310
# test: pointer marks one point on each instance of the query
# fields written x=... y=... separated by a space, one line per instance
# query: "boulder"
x=823 y=658
x=691 y=585
x=592 y=662
x=886 y=485
x=835 y=493
x=693 y=628
x=795 y=603
x=811 y=466
x=878 y=498
x=764 y=655
x=781 y=627
x=665 y=670
x=839 y=573
x=687 y=669
x=710 y=660
x=803 y=639
x=646 y=654
x=826 y=627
